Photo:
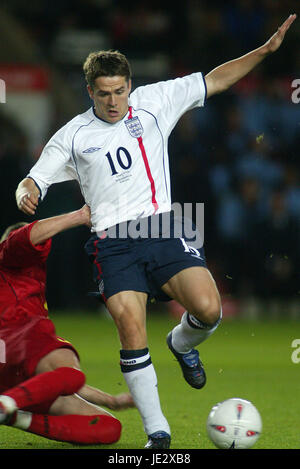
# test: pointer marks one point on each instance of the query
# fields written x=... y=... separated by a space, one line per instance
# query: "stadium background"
x=239 y=155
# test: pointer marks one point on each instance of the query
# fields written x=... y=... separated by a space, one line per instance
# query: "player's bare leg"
x=87 y=399
x=41 y=389
x=128 y=309
x=56 y=358
x=195 y=289
x=70 y=417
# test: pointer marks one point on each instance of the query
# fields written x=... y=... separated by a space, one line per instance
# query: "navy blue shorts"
x=140 y=264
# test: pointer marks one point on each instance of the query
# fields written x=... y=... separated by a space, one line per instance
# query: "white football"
x=234 y=424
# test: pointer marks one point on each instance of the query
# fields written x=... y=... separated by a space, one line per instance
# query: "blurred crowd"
x=239 y=154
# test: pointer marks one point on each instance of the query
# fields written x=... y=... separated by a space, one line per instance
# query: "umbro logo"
x=91 y=149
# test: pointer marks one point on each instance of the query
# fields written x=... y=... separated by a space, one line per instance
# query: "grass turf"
x=251 y=360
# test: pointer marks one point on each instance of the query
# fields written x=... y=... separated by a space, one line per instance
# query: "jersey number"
x=123 y=157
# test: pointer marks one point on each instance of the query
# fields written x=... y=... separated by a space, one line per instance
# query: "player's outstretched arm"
x=224 y=76
x=101 y=398
x=48 y=227
x=27 y=196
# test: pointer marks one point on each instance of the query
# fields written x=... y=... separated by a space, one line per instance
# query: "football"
x=234 y=424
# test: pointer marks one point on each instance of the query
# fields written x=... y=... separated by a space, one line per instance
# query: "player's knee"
x=208 y=309
x=72 y=379
x=130 y=325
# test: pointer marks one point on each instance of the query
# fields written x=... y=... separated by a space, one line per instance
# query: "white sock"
x=191 y=332
x=23 y=420
x=9 y=405
x=140 y=376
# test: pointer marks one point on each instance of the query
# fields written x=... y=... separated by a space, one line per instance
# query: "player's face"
x=110 y=96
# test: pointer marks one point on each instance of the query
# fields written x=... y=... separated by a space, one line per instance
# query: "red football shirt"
x=22 y=276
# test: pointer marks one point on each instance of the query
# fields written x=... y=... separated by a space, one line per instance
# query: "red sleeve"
x=18 y=251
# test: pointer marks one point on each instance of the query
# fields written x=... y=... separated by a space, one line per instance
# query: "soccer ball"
x=234 y=424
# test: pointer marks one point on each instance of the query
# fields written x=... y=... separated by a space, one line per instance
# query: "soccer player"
x=42 y=389
x=117 y=151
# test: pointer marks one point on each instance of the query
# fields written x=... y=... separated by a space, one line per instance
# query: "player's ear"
x=90 y=91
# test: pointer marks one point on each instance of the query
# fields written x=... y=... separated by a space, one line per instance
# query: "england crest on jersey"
x=134 y=127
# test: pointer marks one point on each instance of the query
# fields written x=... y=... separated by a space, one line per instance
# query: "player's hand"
x=275 y=41
x=120 y=402
x=86 y=214
x=28 y=203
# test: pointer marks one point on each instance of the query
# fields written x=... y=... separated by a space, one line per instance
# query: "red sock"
x=84 y=429
x=47 y=387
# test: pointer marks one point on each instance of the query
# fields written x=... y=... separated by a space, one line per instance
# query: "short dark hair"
x=108 y=63
x=11 y=228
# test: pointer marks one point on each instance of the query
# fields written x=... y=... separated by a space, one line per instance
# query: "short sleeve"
x=17 y=251
x=55 y=163
x=173 y=97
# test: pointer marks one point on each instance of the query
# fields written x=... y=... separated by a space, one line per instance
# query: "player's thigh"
x=61 y=357
x=128 y=310
x=196 y=290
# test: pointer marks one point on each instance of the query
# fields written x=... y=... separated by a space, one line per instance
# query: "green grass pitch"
x=251 y=360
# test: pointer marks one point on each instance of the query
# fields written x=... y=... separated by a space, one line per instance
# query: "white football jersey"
x=122 y=168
